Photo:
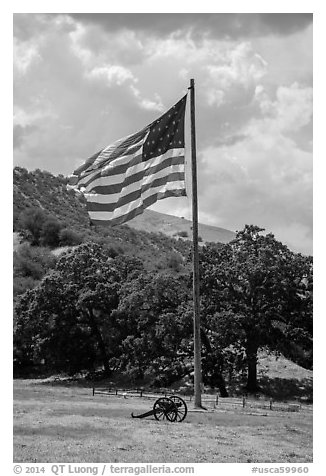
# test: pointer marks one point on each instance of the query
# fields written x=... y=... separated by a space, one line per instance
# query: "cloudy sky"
x=82 y=81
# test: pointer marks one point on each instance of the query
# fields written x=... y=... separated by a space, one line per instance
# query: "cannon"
x=171 y=408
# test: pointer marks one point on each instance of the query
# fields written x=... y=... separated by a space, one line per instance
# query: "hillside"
x=173 y=226
x=148 y=236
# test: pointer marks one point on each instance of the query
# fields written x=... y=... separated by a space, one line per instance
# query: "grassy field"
x=57 y=423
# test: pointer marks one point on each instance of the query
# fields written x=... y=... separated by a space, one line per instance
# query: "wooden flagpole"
x=197 y=344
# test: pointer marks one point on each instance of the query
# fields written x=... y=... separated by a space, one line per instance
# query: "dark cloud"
x=285 y=23
x=28 y=25
x=217 y=25
x=24 y=25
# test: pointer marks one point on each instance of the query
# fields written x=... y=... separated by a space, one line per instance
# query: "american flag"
x=126 y=177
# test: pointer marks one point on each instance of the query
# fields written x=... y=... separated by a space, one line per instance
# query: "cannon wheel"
x=181 y=407
x=165 y=408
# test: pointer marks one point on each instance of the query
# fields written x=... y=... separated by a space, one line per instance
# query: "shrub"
x=50 y=233
x=21 y=284
x=182 y=234
x=30 y=222
x=31 y=263
x=68 y=237
x=174 y=261
x=113 y=251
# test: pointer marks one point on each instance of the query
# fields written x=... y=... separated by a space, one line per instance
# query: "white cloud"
x=175 y=47
x=25 y=54
x=291 y=110
x=24 y=118
x=148 y=104
x=95 y=47
x=239 y=64
x=237 y=67
x=94 y=50
x=111 y=74
x=215 y=97
x=289 y=59
x=222 y=67
x=81 y=52
x=265 y=178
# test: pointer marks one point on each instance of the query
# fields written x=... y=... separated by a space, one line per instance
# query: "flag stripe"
x=115 y=183
x=122 y=160
x=126 y=177
x=89 y=162
x=120 y=168
x=136 y=208
x=125 y=189
x=109 y=203
x=129 y=147
x=125 y=164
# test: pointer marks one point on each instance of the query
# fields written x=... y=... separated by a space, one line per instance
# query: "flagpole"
x=196 y=314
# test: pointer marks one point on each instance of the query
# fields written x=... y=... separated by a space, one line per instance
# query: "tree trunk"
x=101 y=345
x=252 y=385
x=216 y=378
x=220 y=384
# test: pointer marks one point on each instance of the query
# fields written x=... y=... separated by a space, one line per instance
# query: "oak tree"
x=255 y=293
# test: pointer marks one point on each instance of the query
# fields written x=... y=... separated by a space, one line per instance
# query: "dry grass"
x=68 y=424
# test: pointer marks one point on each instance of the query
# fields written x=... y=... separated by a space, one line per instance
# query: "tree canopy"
x=255 y=293
x=70 y=310
x=96 y=307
